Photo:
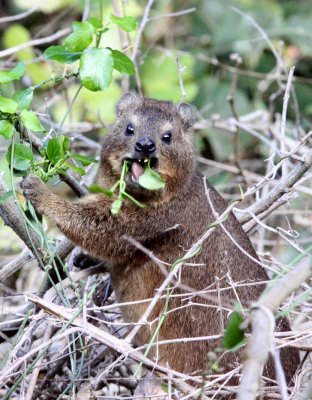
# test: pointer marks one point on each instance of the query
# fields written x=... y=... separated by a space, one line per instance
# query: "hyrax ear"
x=187 y=115
x=127 y=100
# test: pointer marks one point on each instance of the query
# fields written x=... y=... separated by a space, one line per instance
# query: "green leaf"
x=31 y=121
x=116 y=206
x=98 y=189
x=78 y=170
x=80 y=38
x=5 y=196
x=233 y=335
x=6 y=129
x=56 y=148
x=7 y=105
x=13 y=74
x=128 y=24
x=22 y=156
x=122 y=62
x=95 y=22
x=61 y=54
x=23 y=98
x=83 y=159
x=150 y=179
x=96 y=68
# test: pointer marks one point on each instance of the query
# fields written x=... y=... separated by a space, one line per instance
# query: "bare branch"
x=284 y=186
x=180 y=72
x=173 y=14
x=101 y=336
x=35 y=42
x=284 y=113
x=141 y=29
x=261 y=320
x=20 y=16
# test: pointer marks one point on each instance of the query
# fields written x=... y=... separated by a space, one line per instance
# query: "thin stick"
x=284 y=114
x=19 y=16
x=173 y=14
x=283 y=187
x=35 y=42
x=141 y=29
x=180 y=72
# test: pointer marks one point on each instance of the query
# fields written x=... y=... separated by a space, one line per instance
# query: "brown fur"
x=183 y=201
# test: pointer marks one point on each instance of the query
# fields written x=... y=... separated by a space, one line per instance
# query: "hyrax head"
x=153 y=132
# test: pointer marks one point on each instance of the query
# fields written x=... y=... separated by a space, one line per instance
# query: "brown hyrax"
x=174 y=218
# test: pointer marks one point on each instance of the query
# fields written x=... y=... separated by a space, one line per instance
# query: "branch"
x=119 y=345
x=173 y=14
x=284 y=114
x=180 y=72
x=284 y=186
x=141 y=29
x=76 y=187
x=258 y=345
x=35 y=42
x=19 y=16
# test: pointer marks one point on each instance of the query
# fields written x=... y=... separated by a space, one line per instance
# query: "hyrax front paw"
x=35 y=191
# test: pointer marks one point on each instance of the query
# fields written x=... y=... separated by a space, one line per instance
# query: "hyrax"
x=174 y=218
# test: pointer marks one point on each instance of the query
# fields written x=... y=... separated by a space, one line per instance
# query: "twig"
x=19 y=16
x=141 y=29
x=173 y=14
x=86 y=10
x=77 y=188
x=284 y=113
x=5 y=375
x=35 y=42
x=103 y=337
x=36 y=370
x=231 y=100
x=74 y=277
x=14 y=265
x=259 y=341
x=280 y=62
x=180 y=72
x=284 y=186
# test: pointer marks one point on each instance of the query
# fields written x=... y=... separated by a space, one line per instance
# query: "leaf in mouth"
x=120 y=185
x=150 y=179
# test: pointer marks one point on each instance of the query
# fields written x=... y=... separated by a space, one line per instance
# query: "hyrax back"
x=174 y=218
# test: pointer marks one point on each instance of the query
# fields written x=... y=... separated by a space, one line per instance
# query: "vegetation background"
x=233 y=57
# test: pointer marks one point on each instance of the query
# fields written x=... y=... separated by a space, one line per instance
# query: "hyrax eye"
x=129 y=130
x=167 y=137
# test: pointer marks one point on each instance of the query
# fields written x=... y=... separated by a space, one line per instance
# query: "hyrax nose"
x=145 y=145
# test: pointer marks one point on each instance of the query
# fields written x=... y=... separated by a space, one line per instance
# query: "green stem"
x=98 y=39
x=56 y=79
x=69 y=110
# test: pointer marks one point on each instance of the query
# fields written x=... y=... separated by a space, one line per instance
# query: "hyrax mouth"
x=138 y=165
